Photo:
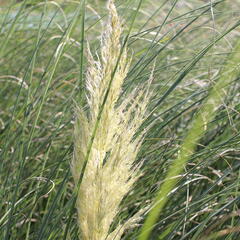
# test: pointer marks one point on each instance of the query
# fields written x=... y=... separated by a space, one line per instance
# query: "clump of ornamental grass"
x=107 y=155
x=200 y=122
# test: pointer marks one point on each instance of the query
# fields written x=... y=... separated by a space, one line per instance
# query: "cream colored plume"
x=111 y=170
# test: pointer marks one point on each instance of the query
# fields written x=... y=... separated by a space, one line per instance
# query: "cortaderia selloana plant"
x=106 y=142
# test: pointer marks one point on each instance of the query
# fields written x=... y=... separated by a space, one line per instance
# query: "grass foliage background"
x=42 y=67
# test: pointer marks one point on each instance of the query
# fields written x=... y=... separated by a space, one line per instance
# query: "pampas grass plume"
x=111 y=170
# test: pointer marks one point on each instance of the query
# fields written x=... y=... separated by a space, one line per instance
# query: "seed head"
x=111 y=170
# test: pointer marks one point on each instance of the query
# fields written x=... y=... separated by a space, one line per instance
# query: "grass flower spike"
x=111 y=170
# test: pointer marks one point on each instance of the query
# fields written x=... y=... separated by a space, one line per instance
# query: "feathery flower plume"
x=111 y=170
